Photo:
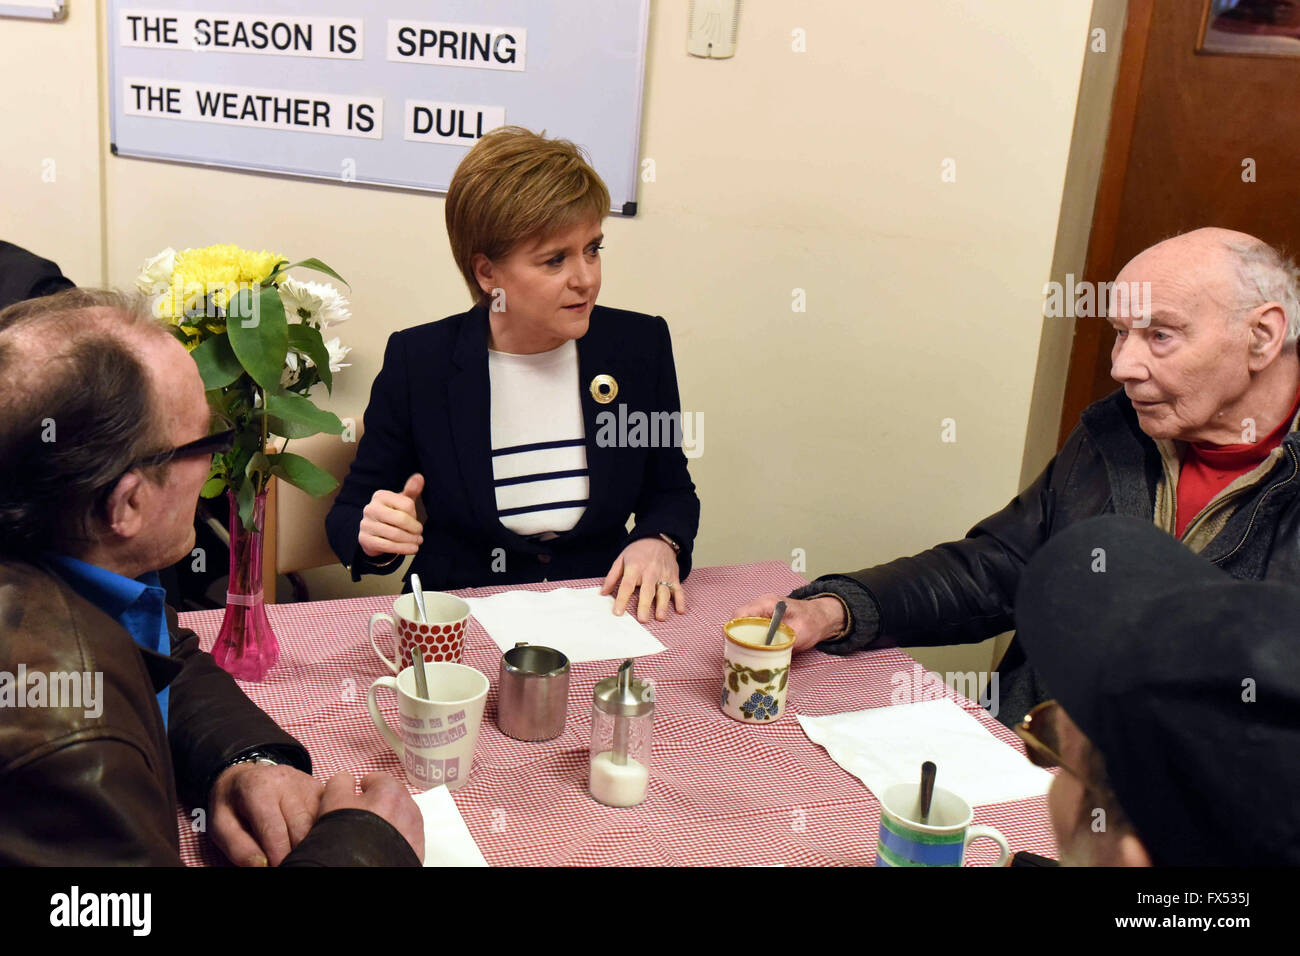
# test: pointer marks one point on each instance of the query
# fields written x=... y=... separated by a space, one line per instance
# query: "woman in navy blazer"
x=524 y=219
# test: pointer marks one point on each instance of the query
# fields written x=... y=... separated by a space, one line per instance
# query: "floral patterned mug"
x=755 y=675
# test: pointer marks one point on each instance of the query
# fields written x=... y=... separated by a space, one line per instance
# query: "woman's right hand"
x=389 y=524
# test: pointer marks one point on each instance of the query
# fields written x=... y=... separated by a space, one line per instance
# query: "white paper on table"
x=578 y=622
x=885 y=746
x=447 y=841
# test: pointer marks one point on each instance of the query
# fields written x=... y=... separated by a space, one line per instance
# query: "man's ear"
x=124 y=511
x=1268 y=330
x=1131 y=852
x=484 y=272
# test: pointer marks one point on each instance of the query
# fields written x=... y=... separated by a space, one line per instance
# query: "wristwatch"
x=254 y=756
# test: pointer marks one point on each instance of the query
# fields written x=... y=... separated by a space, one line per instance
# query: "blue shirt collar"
x=109 y=591
x=139 y=605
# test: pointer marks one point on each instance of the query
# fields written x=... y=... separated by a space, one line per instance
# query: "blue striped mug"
x=941 y=841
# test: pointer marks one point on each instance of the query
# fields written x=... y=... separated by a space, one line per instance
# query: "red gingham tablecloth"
x=721 y=793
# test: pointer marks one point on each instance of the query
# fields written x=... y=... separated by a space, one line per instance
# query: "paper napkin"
x=447 y=841
x=578 y=622
x=887 y=745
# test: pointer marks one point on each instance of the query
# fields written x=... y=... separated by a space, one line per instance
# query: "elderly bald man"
x=1201 y=440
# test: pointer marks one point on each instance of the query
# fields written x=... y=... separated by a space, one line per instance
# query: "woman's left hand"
x=648 y=564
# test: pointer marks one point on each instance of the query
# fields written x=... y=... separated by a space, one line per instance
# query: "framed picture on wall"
x=1251 y=28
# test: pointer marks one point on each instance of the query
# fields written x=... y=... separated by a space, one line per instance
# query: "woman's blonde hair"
x=514 y=185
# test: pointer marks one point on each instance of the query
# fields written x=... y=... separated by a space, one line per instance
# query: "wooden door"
x=1183 y=127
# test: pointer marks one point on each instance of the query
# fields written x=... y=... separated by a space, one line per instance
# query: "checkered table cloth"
x=721 y=793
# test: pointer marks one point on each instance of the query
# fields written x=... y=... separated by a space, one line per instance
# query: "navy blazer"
x=441 y=369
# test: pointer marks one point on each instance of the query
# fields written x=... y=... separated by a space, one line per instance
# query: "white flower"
x=290 y=373
x=337 y=354
x=316 y=303
x=157 y=272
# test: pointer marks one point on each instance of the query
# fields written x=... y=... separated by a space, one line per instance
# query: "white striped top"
x=539 y=450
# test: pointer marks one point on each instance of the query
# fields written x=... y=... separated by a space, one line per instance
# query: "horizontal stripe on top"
x=539 y=462
x=547 y=507
x=538 y=446
x=542 y=476
x=536 y=494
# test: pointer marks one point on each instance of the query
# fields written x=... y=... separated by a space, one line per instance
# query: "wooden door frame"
x=1091 y=338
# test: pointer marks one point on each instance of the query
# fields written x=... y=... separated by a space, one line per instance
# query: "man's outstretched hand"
x=812 y=621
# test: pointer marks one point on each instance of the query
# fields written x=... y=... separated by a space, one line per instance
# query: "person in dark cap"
x=1175 y=716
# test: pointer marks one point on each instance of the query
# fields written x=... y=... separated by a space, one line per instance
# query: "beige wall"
x=776 y=170
x=52 y=149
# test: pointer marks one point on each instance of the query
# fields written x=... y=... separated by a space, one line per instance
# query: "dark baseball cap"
x=1185 y=678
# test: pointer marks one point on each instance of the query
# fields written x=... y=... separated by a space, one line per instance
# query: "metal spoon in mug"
x=417 y=656
x=417 y=665
x=418 y=593
x=928 y=770
x=776 y=621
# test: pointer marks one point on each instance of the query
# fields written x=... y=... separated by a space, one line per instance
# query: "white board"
x=333 y=90
x=33 y=9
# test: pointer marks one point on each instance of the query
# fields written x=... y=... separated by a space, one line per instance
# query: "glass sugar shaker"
x=622 y=725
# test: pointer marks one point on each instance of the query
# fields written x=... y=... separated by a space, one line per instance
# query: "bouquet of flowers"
x=257 y=337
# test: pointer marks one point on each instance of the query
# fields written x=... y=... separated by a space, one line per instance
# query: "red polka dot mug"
x=441 y=639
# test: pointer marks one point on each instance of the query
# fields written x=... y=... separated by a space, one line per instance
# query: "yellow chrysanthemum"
x=215 y=271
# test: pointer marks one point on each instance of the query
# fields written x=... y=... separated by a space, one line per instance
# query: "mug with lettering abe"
x=437 y=734
x=940 y=841
x=441 y=638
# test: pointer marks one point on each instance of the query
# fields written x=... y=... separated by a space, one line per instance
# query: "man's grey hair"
x=1266 y=275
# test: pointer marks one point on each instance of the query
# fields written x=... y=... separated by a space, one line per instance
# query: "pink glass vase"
x=246 y=646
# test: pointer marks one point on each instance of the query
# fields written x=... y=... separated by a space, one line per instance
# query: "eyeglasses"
x=216 y=444
x=1038 y=733
x=210 y=445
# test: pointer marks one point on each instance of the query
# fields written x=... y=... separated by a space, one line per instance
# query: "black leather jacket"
x=963 y=592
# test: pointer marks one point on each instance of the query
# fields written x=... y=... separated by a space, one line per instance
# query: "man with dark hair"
x=108 y=710
x=1176 y=715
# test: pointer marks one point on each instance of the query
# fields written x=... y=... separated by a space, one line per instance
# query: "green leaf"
x=259 y=335
x=213 y=486
x=313 y=263
x=301 y=473
x=217 y=363
x=762 y=677
x=785 y=676
x=733 y=683
x=293 y=416
x=246 y=500
x=308 y=340
x=237 y=460
x=258 y=465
